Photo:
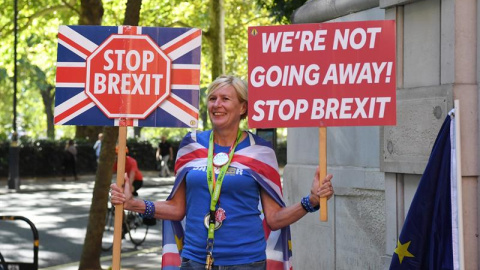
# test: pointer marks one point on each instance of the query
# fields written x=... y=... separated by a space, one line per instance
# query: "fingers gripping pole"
x=117 y=230
x=322 y=160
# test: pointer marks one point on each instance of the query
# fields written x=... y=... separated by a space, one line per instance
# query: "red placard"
x=318 y=75
x=128 y=76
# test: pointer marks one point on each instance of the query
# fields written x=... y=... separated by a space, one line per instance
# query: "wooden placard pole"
x=117 y=229
x=322 y=163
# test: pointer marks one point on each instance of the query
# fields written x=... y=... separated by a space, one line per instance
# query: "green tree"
x=36 y=78
x=216 y=36
x=281 y=10
x=93 y=240
x=91 y=251
x=37 y=25
x=6 y=117
x=91 y=13
x=232 y=47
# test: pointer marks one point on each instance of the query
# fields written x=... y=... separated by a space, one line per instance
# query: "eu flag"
x=426 y=238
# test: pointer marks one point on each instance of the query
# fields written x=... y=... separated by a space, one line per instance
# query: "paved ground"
x=76 y=197
x=145 y=259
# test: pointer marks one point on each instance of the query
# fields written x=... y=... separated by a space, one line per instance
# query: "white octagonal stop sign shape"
x=128 y=76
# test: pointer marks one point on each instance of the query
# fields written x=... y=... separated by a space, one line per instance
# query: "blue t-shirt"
x=241 y=238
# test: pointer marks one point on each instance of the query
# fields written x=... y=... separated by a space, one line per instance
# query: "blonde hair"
x=237 y=83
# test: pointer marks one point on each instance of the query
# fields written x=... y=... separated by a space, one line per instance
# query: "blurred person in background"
x=163 y=155
x=70 y=160
x=135 y=177
x=98 y=146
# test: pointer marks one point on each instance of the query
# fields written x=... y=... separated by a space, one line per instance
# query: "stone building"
x=377 y=169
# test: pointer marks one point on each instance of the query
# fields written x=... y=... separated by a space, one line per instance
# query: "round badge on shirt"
x=220 y=159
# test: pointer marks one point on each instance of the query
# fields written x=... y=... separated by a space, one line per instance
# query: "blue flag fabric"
x=426 y=238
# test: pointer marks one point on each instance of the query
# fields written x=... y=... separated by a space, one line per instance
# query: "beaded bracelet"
x=149 y=210
x=308 y=206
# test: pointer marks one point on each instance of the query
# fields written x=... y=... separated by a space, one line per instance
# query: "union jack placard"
x=128 y=75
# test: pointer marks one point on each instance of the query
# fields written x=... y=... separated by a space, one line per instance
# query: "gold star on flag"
x=402 y=250
x=179 y=242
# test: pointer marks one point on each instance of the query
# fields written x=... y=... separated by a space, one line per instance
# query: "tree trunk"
x=217 y=34
x=132 y=17
x=93 y=240
x=132 y=12
x=137 y=132
x=91 y=14
x=89 y=133
x=216 y=37
x=48 y=96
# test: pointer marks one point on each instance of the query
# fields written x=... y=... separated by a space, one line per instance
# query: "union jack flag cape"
x=77 y=43
x=260 y=161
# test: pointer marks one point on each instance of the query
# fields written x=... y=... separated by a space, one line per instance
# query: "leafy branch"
x=254 y=19
x=178 y=23
x=40 y=13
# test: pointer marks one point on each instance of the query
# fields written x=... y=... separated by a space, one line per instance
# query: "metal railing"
x=22 y=265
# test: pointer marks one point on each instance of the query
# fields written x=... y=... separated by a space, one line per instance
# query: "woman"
x=227 y=228
x=70 y=160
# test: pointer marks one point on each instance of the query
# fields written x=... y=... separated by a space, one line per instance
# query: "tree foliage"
x=38 y=23
x=37 y=29
x=281 y=10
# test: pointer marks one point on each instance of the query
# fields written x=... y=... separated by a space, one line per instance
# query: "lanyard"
x=215 y=186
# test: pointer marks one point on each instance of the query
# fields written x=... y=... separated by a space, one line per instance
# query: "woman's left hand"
x=321 y=190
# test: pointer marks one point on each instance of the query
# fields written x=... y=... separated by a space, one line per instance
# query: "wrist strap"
x=149 y=210
x=308 y=206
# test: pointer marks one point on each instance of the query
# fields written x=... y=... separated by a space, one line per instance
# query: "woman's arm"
x=173 y=209
x=278 y=217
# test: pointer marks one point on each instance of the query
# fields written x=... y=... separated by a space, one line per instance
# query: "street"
x=60 y=212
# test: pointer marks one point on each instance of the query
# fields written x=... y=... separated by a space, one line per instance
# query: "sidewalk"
x=150 y=178
x=147 y=259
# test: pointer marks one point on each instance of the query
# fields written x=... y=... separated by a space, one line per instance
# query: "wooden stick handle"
x=117 y=229
x=322 y=163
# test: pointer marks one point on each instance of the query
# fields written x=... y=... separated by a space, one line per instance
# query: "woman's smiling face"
x=224 y=108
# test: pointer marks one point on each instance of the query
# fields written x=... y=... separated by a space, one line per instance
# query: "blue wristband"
x=149 y=209
x=308 y=206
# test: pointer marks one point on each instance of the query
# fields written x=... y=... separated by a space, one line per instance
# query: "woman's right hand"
x=319 y=190
x=121 y=196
